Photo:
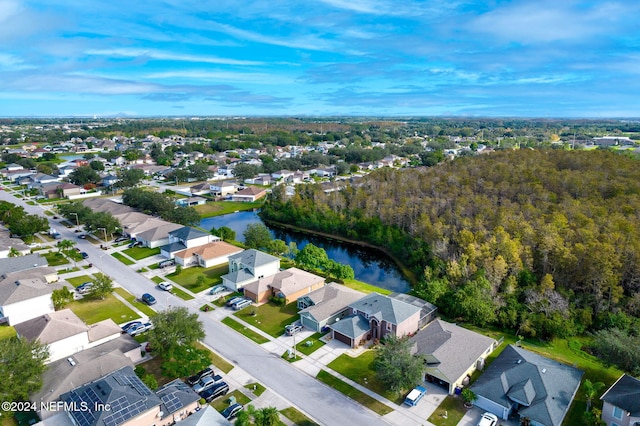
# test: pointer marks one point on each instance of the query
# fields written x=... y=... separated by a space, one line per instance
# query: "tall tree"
x=102 y=286
x=83 y=175
x=173 y=328
x=257 y=236
x=21 y=367
x=395 y=366
x=224 y=232
x=129 y=178
x=182 y=361
x=591 y=390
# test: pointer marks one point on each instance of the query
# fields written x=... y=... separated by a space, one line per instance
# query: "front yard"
x=55 y=258
x=246 y=332
x=93 y=311
x=270 y=318
x=353 y=393
x=142 y=307
x=139 y=253
x=188 y=278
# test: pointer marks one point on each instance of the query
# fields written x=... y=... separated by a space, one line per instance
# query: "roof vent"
x=518 y=361
x=544 y=370
x=71 y=362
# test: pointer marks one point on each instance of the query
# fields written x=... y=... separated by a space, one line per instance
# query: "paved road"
x=321 y=402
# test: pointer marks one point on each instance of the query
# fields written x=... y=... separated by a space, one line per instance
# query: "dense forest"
x=543 y=242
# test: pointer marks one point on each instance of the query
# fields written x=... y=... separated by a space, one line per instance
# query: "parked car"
x=165 y=263
x=166 y=286
x=129 y=325
x=231 y=411
x=241 y=304
x=488 y=419
x=84 y=288
x=415 y=396
x=217 y=390
x=292 y=329
x=149 y=299
x=84 y=254
x=120 y=239
x=140 y=328
x=203 y=384
x=192 y=380
x=82 y=236
x=233 y=300
x=216 y=289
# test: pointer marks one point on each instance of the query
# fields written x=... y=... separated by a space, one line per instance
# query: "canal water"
x=369 y=266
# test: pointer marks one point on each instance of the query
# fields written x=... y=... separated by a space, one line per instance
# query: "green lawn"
x=93 y=311
x=361 y=371
x=270 y=318
x=256 y=388
x=219 y=362
x=218 y=208
x=6 y=331
x=142 y=307
x=353 y=393
x=76 y=281
x=123 y=259
x=188 y=278
x=453 y=408
x=223 y=402
x=306 y=348
x=297 y=417
x=55 y=258
x=181 y=294
x=138 y=253
x=365 y=288
x=244 y=330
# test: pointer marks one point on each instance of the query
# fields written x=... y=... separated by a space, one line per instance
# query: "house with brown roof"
x=207 y=255
x=65 y=334
x=288 y=284
x=249 y=194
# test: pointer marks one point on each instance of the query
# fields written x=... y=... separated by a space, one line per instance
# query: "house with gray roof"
x=522 y=384
x=373 y=317
x=129 y=402
x=21 y=263
x=451 y=353
x=7 y=242
x=621 y=405
x=85 y=366
x=27 y=294
x=183 y=238
x=326 y=305
x=248 y=266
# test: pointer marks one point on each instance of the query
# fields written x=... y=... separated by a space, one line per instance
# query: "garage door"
x=342 y=338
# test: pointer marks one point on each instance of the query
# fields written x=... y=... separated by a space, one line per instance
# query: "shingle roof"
x=52 y=327
x=103 y=329
x=625 y=394
x=547 y=385
x=125 y=393
x=21 y=263
x=385 y=308
x=239 y=276
x=187 y=233
x=287 y=282
x=253 y=258
x=352 y=326
x=153 y=229
x=329 y=300
x=454 y=348
x=25 y=285
x=210 y=250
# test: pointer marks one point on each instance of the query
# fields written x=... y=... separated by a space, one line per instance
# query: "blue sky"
x=559 y=58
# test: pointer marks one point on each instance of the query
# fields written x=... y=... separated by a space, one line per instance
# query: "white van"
x=241 y=304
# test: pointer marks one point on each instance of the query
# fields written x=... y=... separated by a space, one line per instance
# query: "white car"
x=165 y=286
x=488 y=419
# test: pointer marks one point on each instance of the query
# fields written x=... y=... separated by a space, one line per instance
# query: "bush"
x=278 y=301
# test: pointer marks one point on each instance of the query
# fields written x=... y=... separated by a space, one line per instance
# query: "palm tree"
x=65 y=245
x=591 y=391
x=13 y=252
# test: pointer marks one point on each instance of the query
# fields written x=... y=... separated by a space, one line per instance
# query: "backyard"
x=219 y=208
x=188 y=277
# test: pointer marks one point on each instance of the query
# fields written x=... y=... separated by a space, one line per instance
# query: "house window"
x=617 y=413
x=389 y=327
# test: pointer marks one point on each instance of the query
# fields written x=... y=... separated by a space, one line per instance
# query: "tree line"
x=542 y=242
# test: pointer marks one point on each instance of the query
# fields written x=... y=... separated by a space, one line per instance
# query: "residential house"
x=27 y=294
x=222 y=188
x=248 y=266
x=24 y=263
x=522 y=384
x=373 y=317
x=83 y=367
x=183 y=238
x=621 y=402
x=288 y=285
x=153 y=232
x=207 y=255
x=68 y=190
x=452 y=353
x=249 y=194
x=109 y=180
x=207 y=416
x=66 y=334
x=262 y=179
x=282 y=174
x=326 y=305
x=7 y=243
x=200 y=189
x=129 y=400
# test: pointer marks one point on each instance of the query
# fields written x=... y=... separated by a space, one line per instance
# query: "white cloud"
x=166 y=56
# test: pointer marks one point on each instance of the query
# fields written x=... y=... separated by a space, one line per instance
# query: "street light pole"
x=105 y=233
x=77 y=220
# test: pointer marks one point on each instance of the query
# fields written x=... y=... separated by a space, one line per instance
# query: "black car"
x=120 y=239
x=85 y=288
x=149 y=299
x=231 y=411
x=84 y=254
x=215 y=391
x=130 y=325
x=192 y=380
